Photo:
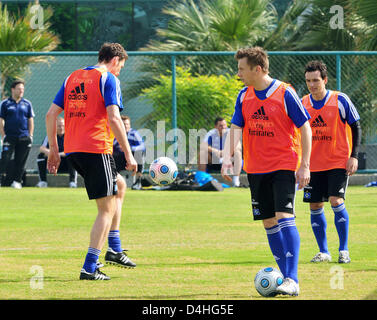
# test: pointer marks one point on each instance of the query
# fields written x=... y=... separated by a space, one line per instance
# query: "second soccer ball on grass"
x=163 y=171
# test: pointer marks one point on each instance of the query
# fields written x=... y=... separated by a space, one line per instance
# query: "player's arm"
x=117 y=126
x=353 y=162
x=30 y=123
x=217 y=152
x=209 y=149
x=303 y=173
x=2 y=132
x=356 y=138
x=231 y=142
x=53 y=160
x=234 y=137
x=349 y=113
x=205 y=146
x=300 y=116
x=2 y=122
x=44 y=150
x=140 y=143
x=113 y=101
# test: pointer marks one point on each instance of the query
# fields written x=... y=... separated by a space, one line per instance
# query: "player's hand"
x=352 y=165
x=131 y=164
x=302 y=177
x=53 y=162
x=227 y=170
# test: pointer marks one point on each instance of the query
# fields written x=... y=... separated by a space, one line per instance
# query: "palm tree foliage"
x=358 y=30
x=16 y=34
x=215 y=25
x=226 y=25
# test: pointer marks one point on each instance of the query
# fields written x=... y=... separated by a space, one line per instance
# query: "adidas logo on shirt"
x=260 y=114
x=319 y=122
x=78 y=93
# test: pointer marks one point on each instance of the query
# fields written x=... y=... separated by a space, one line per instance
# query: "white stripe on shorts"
x=108 y=173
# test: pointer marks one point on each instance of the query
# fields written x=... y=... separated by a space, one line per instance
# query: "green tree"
x=352 y=26
x=201 y=99
x=19 y=34
x=216 y=25
x=346 y=25
x=287 y=29
x=366 y=11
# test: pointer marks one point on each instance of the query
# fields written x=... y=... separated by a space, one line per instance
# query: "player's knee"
x=270 y=222
x=121 y=185
x=335 y=201
x=316 y=205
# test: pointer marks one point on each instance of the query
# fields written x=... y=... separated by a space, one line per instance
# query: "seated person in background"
x=211 y=149
x=65 y=165
x=138 y=150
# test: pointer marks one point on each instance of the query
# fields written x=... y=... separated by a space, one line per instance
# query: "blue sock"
x=341 y=220
x=114 y=240
x=291 y=243
x=90 y=264
x=275 y=241
x=319 y=225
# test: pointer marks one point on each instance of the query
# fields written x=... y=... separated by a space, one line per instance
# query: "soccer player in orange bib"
x=275 y=133
x=92 y=101
x=336 y=138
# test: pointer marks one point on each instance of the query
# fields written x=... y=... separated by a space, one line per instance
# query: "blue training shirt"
x=292 y=103
x=16 y=116
x=109 y=88
x=134 y=139
x=214 y=140
x=60 y=140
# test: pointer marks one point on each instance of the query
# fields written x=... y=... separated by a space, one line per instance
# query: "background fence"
x=187 y=90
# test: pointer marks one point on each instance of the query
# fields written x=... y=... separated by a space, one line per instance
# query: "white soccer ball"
x=267 y=280
x=163 y=171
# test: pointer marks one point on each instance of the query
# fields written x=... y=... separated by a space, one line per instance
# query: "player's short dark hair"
x=256 y=56
x=111 y=50
x=15 y=83
x=218 y=119
x=316 y=65
x=124 y=117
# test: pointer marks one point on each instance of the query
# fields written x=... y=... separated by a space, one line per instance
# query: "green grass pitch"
x=187 y=246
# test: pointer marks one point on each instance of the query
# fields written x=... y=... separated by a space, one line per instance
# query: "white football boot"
x=321 y=257
x=288 y=287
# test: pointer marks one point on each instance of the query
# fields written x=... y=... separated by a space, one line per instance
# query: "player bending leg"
x=91 y=100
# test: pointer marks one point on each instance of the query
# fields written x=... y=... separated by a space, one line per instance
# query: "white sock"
x=236 y=181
